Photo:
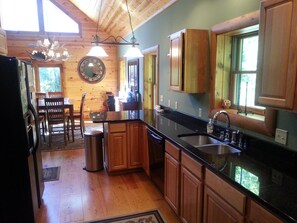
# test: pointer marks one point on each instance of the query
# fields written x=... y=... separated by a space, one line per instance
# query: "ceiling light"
x=112 y=40
x=49 y=50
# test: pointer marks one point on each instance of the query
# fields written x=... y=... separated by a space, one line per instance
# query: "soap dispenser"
x=209 y=126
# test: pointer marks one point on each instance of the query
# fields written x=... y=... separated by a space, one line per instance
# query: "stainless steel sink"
x=208 y=144
x=199 y=140
x=218 y=149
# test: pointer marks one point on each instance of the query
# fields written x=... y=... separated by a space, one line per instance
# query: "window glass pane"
x=55 y=20
x=19 y=15
x=50 y=79
x=247 y=88
x=249 y=53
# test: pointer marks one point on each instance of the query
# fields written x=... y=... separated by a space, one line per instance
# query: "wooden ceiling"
x=114 y=18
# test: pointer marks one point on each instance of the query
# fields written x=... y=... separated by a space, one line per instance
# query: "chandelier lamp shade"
x=48 y=50
x=98 y=51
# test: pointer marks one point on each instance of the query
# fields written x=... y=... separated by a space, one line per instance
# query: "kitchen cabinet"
x=3 y=42
x=257 y=214
x=122 y=144
x=145 y=157
x=134 y=145
x=172 y=175
x=222 y=202
x=277 y=59
x=191 y=204
x=188 y=60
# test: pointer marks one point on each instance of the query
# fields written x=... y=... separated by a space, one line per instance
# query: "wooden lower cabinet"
x=145 y=151
x=172 y=176
x=257 y=214
x=216 y=209
x=191 y=197
x=222 y=202
x=122 y=146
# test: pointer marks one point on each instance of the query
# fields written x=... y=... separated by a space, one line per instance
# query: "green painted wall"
x=198 y=14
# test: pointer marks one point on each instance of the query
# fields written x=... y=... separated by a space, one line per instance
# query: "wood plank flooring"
x=80 y=196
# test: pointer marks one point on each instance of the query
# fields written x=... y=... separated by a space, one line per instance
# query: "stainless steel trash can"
x=93 y=150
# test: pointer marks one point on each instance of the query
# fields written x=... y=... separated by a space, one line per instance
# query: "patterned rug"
x=51 y=173
x=58 y=140
x=144 y=217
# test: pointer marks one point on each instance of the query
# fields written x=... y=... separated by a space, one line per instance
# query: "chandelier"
x=48 y=50
x=98 y=51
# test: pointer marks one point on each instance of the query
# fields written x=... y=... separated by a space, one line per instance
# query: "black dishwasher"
x=156 y=144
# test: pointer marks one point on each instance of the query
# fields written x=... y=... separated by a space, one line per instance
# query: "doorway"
x=151 y=77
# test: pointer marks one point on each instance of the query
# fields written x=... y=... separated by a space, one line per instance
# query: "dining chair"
x=78 y=117
x=55 y=94
x=56 y=118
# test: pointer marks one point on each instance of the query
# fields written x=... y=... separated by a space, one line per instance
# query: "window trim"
x=37 y=65
x=238 y=25
x=41 y=23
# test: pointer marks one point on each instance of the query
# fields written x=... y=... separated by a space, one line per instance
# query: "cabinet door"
x=191 y=197
x=117 y=151
x=172 y=179
x=176 y=61
x=257 y=214
x=276 y=72
x=145 y=155
x=134 y=143
x=217 y=210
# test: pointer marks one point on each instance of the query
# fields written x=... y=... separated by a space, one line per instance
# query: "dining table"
x=68 y=105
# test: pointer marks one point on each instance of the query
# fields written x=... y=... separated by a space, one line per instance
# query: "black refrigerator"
x=21 y=164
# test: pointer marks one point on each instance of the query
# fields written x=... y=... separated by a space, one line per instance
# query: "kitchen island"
x=263 y=171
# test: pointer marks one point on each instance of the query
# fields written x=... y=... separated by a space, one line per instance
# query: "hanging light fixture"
x=133 y=51
x=49 y=50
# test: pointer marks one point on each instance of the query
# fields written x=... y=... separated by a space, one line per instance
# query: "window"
x=49 y=79
x=223 y=77
x=243 y=73
x=35 y=16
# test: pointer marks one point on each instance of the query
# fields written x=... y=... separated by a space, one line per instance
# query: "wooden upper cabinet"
x=189 y=60
x=276 y=77
x=3 y=42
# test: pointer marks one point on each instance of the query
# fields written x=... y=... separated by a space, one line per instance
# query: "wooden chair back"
x=55 y=94
x=55 y=110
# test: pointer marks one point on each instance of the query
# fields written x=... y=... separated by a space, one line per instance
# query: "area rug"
x=51 y=173
x=58 y=140
x=144 y=217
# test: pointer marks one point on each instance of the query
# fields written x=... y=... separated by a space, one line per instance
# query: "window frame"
x=235 y=70
x=40 y=64
x=245 y=23
x=41 y=23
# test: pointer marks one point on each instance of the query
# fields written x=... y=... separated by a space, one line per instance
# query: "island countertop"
x=263 y=171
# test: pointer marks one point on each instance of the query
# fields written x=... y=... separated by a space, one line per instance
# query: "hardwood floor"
x=80 y=196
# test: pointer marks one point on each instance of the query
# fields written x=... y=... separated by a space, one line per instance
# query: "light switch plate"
x=281 y=136
x=175 y=105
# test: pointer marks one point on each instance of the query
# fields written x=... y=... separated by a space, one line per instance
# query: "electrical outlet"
x=199 y=112
x=175 y=105
x=281 y=136
x=168 y=102
x=161 y=98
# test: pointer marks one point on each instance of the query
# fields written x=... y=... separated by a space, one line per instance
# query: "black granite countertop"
x=263 y=171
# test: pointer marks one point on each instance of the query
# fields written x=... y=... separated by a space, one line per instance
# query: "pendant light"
x=133 y=51
x=97 y=51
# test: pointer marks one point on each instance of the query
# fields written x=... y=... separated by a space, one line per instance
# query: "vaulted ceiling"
x=114 y=18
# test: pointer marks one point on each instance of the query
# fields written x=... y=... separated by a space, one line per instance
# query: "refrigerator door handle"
x=37 y=130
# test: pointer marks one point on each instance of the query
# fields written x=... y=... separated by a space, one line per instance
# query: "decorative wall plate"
x=91 y=69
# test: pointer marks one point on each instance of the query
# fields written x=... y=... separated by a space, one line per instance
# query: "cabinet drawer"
x=192 y=165
x=173 y=150
x=117 y=127
x=226 y=191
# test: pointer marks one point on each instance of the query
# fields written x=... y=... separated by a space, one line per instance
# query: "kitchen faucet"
x=226 y=137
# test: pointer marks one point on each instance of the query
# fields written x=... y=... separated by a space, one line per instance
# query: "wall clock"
x=91 y=69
